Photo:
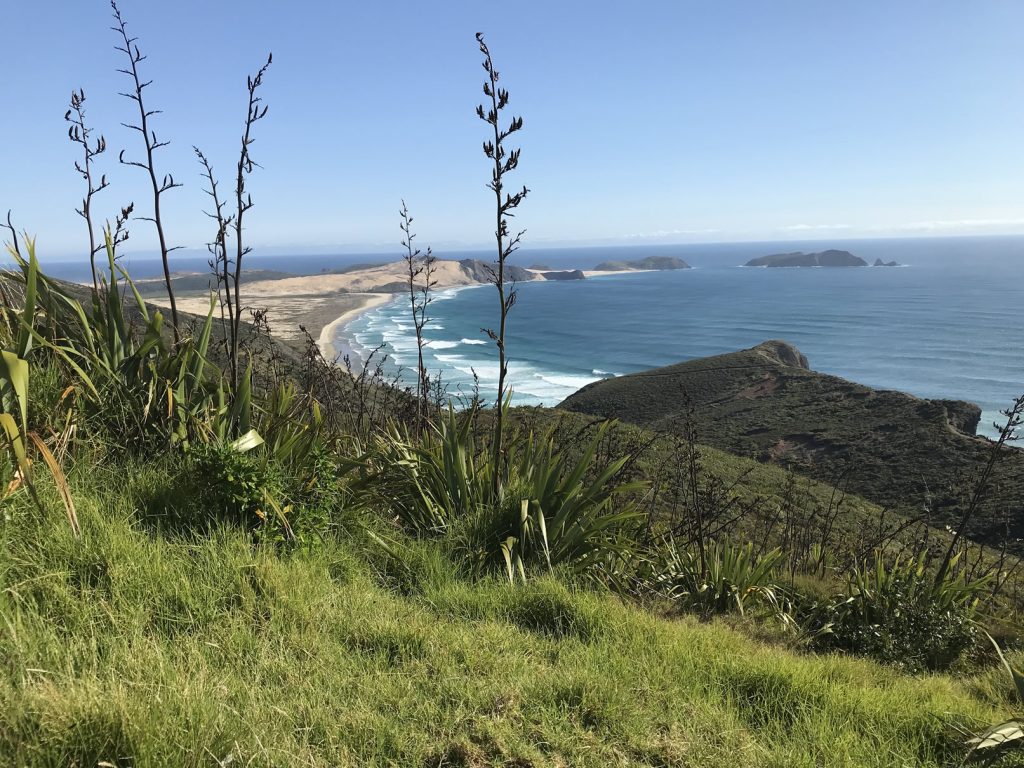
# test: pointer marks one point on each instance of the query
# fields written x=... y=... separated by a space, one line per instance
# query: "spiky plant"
x=504 y=160
x=420 y=281
x=78 y=133
x=129 y=47
x=255 y=111
x=1006 y=739
x=728 y=578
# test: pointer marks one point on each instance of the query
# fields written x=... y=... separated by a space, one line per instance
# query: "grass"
x=132 y=646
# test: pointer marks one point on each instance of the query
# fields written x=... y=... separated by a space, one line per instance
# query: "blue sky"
x=644 y=121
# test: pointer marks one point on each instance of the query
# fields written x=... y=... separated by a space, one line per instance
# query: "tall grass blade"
x=63 y=489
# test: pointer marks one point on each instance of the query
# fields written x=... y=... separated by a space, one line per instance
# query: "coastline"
x=326 y=338
x=588 y=273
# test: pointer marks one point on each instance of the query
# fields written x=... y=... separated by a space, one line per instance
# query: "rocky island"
x=880 y=263
x=829 y=258
x=649 y=263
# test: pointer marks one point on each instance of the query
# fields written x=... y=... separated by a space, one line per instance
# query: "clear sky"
x=670 y=121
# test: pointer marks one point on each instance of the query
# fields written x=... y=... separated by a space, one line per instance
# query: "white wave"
x=451 y=293
x=442 y=344
x=399 y=342
x=472 y=341
x=568 y=381
x=485 y=372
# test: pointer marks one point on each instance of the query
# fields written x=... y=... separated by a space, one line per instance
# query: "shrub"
x=902 y=615
x=732 y=578
x=431 y=481
x=553 y=511
x=230 y=482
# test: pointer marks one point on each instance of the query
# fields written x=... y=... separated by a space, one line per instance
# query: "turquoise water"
x=946 y=325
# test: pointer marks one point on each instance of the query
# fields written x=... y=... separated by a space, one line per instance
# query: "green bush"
x=902 y=615
x=553 y=511
x=230 y=485
x=730 y=578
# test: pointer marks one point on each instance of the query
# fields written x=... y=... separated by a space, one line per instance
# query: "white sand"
x=601 y=273
x=448 y=274
x=326 y=337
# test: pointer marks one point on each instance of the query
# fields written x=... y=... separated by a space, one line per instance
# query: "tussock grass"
x=139 y=647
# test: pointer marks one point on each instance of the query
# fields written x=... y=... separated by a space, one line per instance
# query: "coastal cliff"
x=766 y=403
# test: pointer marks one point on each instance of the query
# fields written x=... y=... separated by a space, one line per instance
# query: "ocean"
x=947 y=324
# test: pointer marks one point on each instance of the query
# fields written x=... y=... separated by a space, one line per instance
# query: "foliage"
x=128 y=646
x=18 y=336
x=552 y=511
x=900 y=614
x=232 y=484
x=420 y=268
x=503 y=161
x=1007 y=738
x=129 y=47
x=570 y=512
x=431 y=481
x=734 y=576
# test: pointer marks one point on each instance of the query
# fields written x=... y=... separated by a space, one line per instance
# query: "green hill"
x=766 y=403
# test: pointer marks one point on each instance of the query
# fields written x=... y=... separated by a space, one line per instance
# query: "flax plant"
x=128 y=46
x=78 y=133
x=420 y=280
x=504 y=160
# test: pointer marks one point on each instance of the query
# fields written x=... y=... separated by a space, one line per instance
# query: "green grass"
x=133 y=647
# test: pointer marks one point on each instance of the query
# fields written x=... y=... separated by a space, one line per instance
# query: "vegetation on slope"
x=134 y=646
x=213 y=550
x=894 y=449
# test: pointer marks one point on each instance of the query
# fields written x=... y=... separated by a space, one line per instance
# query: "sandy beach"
x=326 y=338
x=322 y=303
x=602 y=273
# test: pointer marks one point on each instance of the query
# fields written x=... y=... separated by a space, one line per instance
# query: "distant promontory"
x=829 y=258
x=651 y=262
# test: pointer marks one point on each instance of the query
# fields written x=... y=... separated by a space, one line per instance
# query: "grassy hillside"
x=297 y=570
x=765 y=403
x=134 y=647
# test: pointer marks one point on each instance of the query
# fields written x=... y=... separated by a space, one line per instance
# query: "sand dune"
x=323 y=302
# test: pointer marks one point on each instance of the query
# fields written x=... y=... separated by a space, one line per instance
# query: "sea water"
x=948 y=324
